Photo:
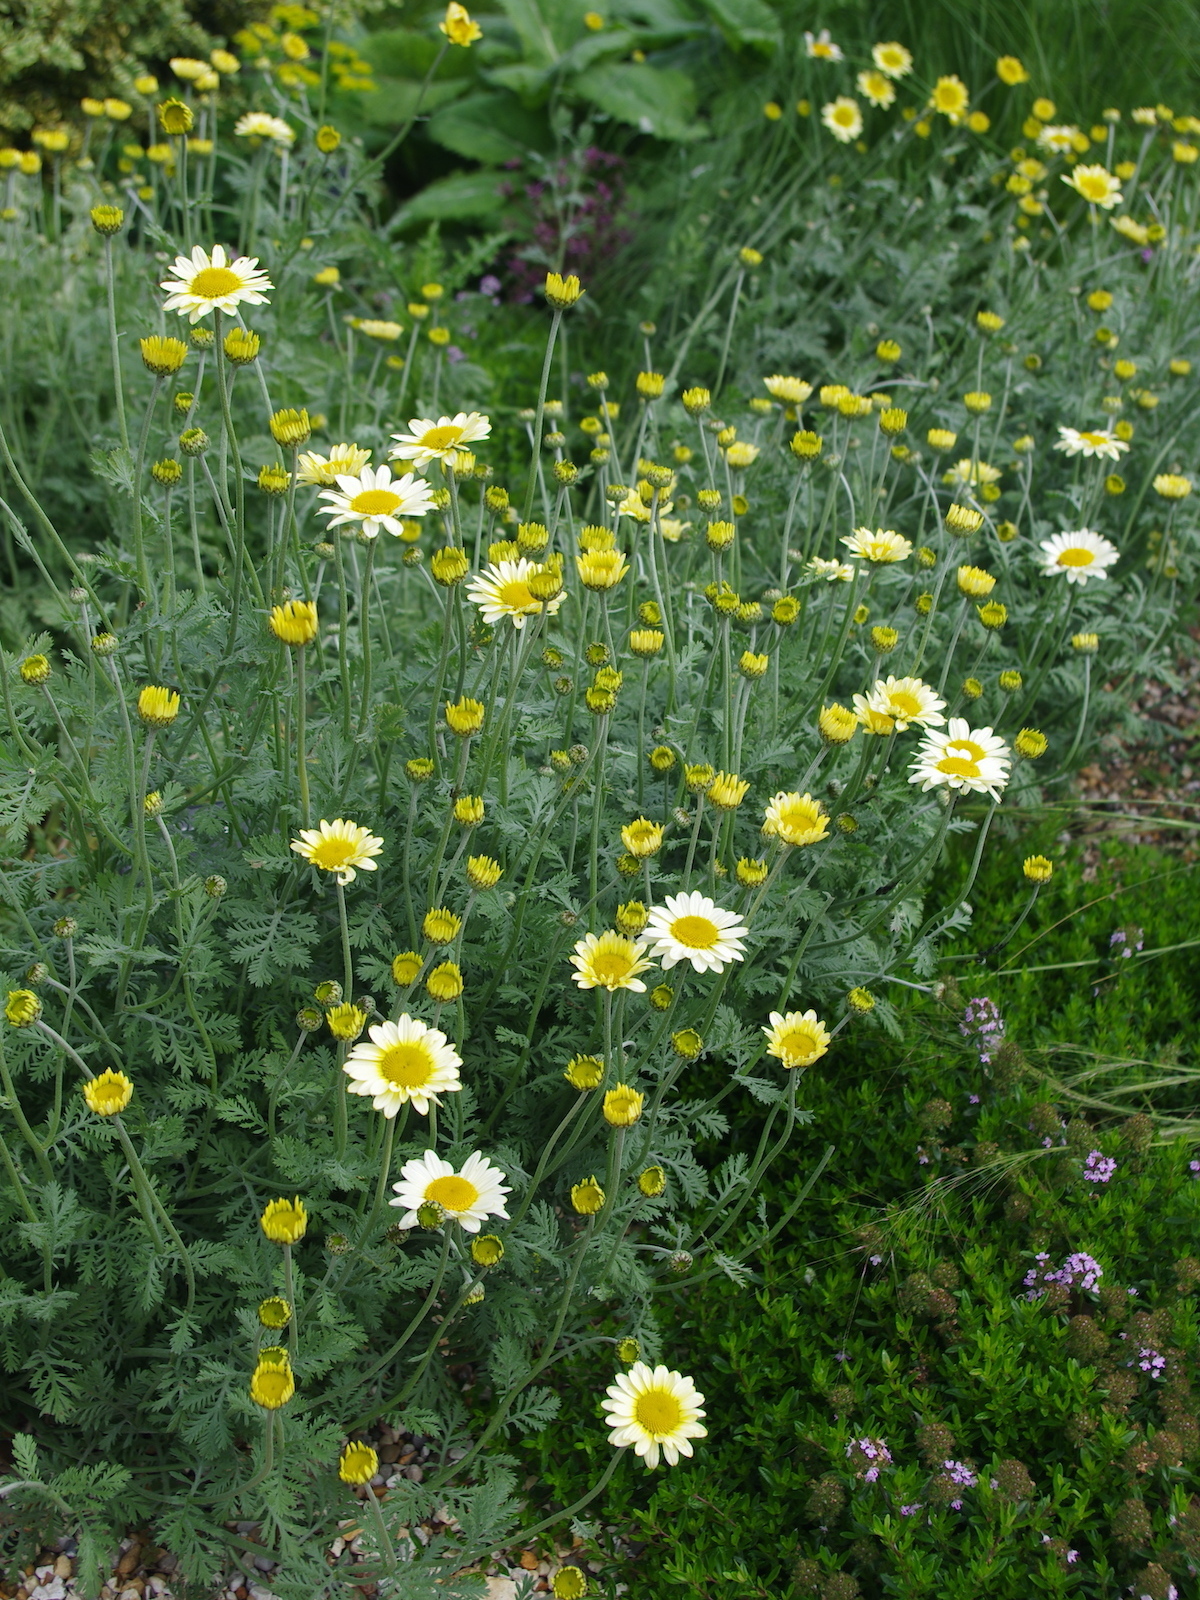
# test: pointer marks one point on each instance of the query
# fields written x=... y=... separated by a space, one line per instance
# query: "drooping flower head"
x=262 y=125
x=341 y=847
x=204 y=283
x=403 y=1061
x=691 y=927
x=880 y=548
x=973 y=759
x=470 y=1196
x=374 y=501
x=346 y=460
x=656 y=1411
x=429 y=441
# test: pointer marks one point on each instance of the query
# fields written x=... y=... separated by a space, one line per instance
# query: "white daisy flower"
x=435 y=441
x=346 y=460
x=963 y=757
x=655 y=1411
x=968 y=471
x=882 y=547
x=830 y=571
x=906 y=701
x=691 y=927
x=821 y=47
x=502 y=590
x=1058 y=138
x=1081 y=555
x=341 y=847
x=1090 y=443
x=843 y=118
x=261 y=125
x=374 y=501
x=892 y=59
x=403 y=1061
x=470 y=1196
x=797 y=1038
x=204 y=283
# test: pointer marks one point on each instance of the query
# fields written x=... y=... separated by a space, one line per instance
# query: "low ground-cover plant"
x=968 y=1365
x=344 y=773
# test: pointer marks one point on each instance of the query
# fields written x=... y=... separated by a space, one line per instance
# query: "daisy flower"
x=655 y=1411
x=204 y=283
x=403 y=1061
x=261 y=125
x=843 y=118
x=796 y=819
x=795 y=391
x=502 y=590
x=1072 y=442
x=831 y=571
x=968 y=471
x=609 y=961
x=881 y=547
x=371 y=499
x=906 y=701
x=797 y=1038
x=435 y=441
x=1081 y=555
x=892 y=59
x=339 y=847
x=691 y=927
x=470 y=1196
x=877 y=88
x=963 y=757
x=1097 y=186
x=951 y=97
x=1057 y=138
x=343 y=460
x=821 y=47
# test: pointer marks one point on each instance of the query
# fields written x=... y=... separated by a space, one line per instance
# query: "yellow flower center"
x=1093 y=188
x=516 y=596
x=903 y=703
x=698 y=933
x=823 y=52
x=214 y=283
x=441 y=438
x=1094 y=438
x=844 y=116
x=958 y=767
x=453 y=1192
x=331 y=854
x=375 y=502
x=658 y=1412
x=407 y=1065
x=798 y=1045
x=611 y=965
x=1076 y=556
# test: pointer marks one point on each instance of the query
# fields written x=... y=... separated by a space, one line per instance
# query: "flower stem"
x=114 y=343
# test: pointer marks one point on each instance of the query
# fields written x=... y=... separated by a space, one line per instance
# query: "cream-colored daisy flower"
x=820 y=47
x=1096 y=185
x=609 y=961
x=881 y=547
x=797 y=1038
x=435 y=441
x=205 y=283
x=470 y=1196
x=906 y=701
x=340 y=847
x=975 y=759
x=344 y=460
x=656 y=1411
x=843 y=118
x=795 y=819
x=1105 y=446
x=1080 y=556
x=374 y=501
x=261 y=125
x=691 y=927
x=502 y=590
x=401 y=1062
x=968 y=471
x=892 y=59
x=876 y=87
x=1058 y=138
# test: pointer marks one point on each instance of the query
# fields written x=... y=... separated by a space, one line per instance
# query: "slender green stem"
x=114 y=344
x=531 y=487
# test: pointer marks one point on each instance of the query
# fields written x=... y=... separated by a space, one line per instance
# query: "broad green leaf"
x=462 y=194
x=659 y=101
x=745 y=22
x=489 y=127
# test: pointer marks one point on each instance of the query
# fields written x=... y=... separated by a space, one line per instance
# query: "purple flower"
x=1194 y=1168
x=1149 y=1360
x=960 y=1473
x=1078 y=1271
x=982 y=1022
x=910 y=1511
x=1125 y=942
x=454 y=355
x=868 y=1456
x=489 y=284
x=1099 y=1168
